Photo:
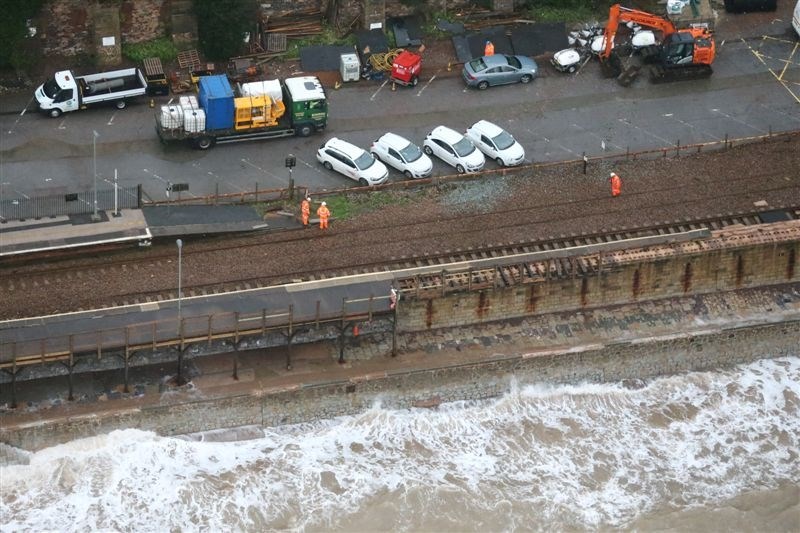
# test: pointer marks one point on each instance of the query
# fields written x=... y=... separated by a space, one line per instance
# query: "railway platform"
x=59 y=233
x=18 y=237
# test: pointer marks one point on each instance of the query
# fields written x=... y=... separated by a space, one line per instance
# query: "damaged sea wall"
x=724 y=262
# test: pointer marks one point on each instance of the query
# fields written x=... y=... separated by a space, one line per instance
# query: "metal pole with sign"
x=291 y=162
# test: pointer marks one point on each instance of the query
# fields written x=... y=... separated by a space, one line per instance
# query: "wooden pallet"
x=189 y=59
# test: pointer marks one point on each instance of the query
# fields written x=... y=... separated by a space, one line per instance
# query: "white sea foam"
x=540 y=457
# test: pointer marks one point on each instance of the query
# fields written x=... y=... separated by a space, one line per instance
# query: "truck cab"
x=307 y=103
x=59 y=94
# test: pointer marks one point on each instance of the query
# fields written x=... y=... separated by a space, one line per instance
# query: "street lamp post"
x=95 y=135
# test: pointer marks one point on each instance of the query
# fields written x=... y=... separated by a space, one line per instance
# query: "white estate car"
x=352 y=161
x=402 y=154
x=496 y=143
x=454 y=149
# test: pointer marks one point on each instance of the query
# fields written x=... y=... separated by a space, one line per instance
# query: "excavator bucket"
x=629 y=74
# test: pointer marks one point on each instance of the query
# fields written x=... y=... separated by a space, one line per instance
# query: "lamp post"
x=95 y=135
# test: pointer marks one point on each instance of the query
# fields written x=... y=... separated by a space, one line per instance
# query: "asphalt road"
x=755 y=89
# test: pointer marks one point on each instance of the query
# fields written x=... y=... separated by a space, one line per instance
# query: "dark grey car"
x=499 y=69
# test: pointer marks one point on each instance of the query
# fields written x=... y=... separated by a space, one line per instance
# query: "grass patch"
x=162 y=48
x=345 y=206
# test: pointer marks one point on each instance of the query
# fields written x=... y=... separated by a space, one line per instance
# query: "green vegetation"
x=222 y=24
x=566 y=10
x=347 y=206
x=162 y=48
x=327 y=37
x=14 y=33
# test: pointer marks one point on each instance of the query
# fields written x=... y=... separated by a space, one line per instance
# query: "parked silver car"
x=499 y=69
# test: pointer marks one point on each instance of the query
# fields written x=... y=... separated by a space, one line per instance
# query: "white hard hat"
x=323 y=203
x=308 y=198
x=612 y=174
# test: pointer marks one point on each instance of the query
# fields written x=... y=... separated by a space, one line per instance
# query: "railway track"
x=561 y=267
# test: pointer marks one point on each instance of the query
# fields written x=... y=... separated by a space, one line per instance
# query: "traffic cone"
x=449 y=66
x=355 y=330
x=394 y=86
x=152 y=103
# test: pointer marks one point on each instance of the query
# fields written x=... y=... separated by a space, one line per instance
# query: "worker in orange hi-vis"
x=488 y=50
x=616 y=184
x=323 y=212
x=305 y=210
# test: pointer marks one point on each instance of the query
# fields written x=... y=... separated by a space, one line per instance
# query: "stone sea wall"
x=608 y=362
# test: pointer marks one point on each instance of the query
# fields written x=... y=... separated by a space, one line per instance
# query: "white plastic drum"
x=271 y=88
x=171 y=117
x=194 y=120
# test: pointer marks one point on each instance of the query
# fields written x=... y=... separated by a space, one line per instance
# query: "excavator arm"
x=618 y=14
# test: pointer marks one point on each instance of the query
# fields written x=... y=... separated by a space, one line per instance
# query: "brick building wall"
x=75 y=27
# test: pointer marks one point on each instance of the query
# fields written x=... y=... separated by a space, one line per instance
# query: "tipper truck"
x=66 y=92
x=257 y=110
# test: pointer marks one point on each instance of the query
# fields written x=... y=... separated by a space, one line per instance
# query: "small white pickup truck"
x=66 y=92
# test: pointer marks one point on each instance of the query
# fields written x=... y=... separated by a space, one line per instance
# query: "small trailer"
x=406 y=68
x=66 y=92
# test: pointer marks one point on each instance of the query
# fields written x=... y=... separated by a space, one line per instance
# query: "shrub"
x=221 y=25
x=162 y=48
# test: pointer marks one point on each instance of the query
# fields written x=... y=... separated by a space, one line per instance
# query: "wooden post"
x=289 y=338
x=14 y=376
x=127 y=357
x=342 y=329
x=70 y=364
x=394 y=325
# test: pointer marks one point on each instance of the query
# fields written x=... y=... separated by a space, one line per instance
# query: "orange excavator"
x=682 y=55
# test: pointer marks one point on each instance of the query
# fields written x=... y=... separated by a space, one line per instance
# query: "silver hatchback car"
x=499 y=69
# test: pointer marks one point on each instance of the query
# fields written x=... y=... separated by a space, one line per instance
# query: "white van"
x=796 y=18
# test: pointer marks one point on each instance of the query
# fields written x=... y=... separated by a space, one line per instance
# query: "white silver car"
x=402 y=154
x=496 y=143
x=352 y=161
x=454 y=149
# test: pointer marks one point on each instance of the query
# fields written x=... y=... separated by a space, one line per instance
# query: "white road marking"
x=22 y=114
x=63 y=124
x=742 y=122
x=265 y=171
x=156 y=176
x=662 y=139
x=429 y=82
x=111 y=120
x=315 y=168
x=704 y=132
x=603 y=141
x=558 y=145
x=379 y=89
x=782 y=114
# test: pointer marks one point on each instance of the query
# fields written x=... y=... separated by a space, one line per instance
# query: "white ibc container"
x=194 y=120
x=188 y=102
x=271 y=88
x=171 y=117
